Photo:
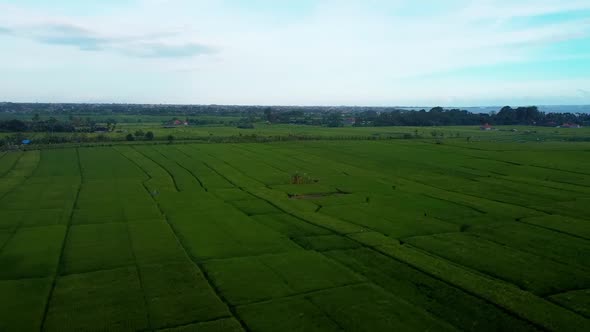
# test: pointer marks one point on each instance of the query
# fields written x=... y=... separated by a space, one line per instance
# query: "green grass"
x=155 y=243
x=97 y=247
x=226 y=233
x=102 y=300
x=539 y=241
x=23 y=303
x=490 y=234
x=531 y=272
x=224 y=324
x=459 y=308
x=366 y=307
x=289 y=225
x=578 y=301
x=523 y=304
x=325 y=242
x=278 y=276
x=288 y=314
x=178 y=294
x=32 y=253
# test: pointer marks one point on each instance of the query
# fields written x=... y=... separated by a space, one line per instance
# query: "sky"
x=296 y=52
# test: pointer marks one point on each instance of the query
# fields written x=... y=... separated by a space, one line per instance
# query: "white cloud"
x=354 y=51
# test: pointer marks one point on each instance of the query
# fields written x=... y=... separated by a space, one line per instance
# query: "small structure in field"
x=176 y=123
x=486 y=126
x=299 y=178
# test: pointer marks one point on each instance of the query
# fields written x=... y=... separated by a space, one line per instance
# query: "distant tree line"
x=249 y=115
x=51 y=125
x=438 y=116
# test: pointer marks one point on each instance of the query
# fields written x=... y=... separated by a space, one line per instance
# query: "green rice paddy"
x=391 y=235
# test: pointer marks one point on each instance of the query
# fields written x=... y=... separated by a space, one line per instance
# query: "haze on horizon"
x=305 y=52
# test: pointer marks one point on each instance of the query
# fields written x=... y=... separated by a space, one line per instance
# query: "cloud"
x=67 y=35
x=144 y=46
x=332 y=51
x=159 y=50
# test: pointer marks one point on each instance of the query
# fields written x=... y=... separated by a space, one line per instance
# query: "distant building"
x=569 y=125
x=180 y=123
x=486 y=126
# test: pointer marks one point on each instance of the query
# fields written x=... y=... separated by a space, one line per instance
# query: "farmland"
x=486 y=234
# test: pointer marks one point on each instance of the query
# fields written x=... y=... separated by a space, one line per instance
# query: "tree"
x=149 y=136
x=130 y=137
x=270 y=117
x=111 y=124
x=139 y=133
x=36 y=117
x=170 y=139
x=14 y=125
x=334 y=119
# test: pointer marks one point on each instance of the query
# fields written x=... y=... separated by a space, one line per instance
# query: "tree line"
x=325 y=116
x=438 y=116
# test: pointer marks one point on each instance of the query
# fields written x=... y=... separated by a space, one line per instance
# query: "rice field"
x=385 y=235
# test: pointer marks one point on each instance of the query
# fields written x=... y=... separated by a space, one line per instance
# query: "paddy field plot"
x=383 y=235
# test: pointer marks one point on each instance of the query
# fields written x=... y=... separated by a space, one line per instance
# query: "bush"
x=130 y=137
x=149 y=136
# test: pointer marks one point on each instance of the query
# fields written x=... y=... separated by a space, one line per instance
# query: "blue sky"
x=306 y=52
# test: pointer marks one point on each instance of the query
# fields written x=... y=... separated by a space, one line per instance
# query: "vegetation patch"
x=113 y=295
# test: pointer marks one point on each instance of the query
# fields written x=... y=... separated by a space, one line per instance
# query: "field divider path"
x=157 y=163
x=18 y=226
x=198 y=265
x=280 y=208
x=548 y=296
x=190 y=324
x=25 y=178
x=361 y=244
x=510 y=299
x=531 y=252
x=487 y=299
x=63 y=246
x=188 y=170
x=554 y=230
x=303 y=294
x=11 y=166
x=140 y=278
x=513 y=163
x=536 y=310
x=174 y=232
x=475 y=196
x=456 y=203
x=454 y=191
x=555 y=183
